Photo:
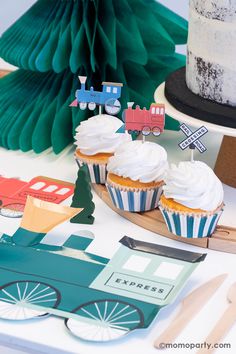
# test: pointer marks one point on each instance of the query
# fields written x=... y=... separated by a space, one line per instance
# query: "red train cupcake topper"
x=145 y=121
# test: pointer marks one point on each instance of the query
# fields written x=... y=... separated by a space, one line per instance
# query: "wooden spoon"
x=224 y=324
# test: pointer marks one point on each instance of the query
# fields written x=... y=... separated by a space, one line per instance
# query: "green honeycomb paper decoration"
x=127 y=41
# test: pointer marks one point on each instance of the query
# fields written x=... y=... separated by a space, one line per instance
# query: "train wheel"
x=83 y=105
x=14 y=210
x=16 y=295
x=156 y=131
x=91 y=106
x=104 y=320
x=146 y=131
x=112 y=106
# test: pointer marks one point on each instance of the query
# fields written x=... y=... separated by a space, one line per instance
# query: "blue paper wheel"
x=15 y=296
x=83 y=105
x=104 y=320
x=91 y=106
x=112 y=106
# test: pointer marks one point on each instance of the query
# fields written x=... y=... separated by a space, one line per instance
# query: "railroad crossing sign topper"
x=192 y=141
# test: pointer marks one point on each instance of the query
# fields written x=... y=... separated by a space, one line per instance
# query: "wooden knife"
x=190 y=306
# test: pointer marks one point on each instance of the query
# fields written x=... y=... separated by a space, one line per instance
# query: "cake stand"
x=159 y=96
x=225 y=167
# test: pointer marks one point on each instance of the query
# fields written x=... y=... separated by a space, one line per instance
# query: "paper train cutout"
x=101 y=299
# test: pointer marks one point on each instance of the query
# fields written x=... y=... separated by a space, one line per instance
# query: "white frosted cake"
x=211 y=62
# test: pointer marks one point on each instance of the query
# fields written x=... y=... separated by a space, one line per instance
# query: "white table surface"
x=49 y=335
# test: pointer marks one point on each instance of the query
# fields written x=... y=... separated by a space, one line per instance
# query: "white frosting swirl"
x=194 y=185
x=98 y=135
x=144 y=162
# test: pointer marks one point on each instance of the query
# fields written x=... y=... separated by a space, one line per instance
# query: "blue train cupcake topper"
x=192 y=139
x=108 y=97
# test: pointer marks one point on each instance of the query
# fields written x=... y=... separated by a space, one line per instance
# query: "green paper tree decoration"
x=83 y=198
x=128 y=41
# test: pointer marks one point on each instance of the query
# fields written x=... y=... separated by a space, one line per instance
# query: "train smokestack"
x=82 y=80
x=130 y=104
x=39 y=218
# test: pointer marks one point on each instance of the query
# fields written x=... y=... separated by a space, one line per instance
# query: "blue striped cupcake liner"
x=134 y=200
x=189 y=225
x=97 y=172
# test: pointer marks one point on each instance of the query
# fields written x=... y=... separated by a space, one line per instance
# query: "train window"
x=153 y=110
x=108 y=89
x=37 y=186
x=137 y=263
x=168 y=270
x=114 y=90
x=50 y=189
x=63 y=191
x=162 y=111
x=157 y=110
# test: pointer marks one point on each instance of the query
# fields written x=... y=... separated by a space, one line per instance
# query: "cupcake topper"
x=108 y=97
x=192 y=141
x=145 y=121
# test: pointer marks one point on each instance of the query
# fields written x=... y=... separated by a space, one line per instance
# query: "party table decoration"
x=83 y=198
x=223 y=239
x=96 y=141
x=144 y=121
x=192 y=139
x=193 y=196
x=128 y=41
x=14 y=192
x=108 y=97
x=101 y=299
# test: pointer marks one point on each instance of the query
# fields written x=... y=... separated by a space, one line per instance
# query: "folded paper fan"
x=128 y=41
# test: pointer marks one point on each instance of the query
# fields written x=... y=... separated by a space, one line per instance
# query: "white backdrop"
x=10 y=10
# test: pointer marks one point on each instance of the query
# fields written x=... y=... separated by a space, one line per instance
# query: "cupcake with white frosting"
x=135 y=176
x=192 y=200
x=96 y=140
